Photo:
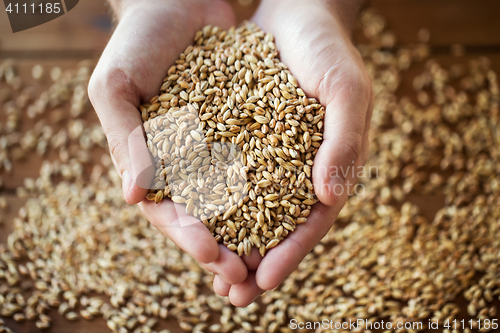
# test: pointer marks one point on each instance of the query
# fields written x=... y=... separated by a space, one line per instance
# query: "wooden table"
x=83 y=33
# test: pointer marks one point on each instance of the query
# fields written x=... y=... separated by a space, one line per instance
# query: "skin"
x=314 y=41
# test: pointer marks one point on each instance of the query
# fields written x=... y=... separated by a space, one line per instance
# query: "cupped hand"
x=148 y=39
x=313 y=38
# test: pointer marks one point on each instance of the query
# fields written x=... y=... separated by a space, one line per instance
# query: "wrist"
x=123 y=7
x=345 y=12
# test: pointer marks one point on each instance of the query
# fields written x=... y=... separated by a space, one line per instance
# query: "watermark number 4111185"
x=26 y=14
x=32 y=8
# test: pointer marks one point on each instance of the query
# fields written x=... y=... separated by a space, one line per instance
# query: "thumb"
x=121 y=122
x=345 y=135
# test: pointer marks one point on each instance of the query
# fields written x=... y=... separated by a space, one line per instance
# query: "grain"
x=220 y=128
x=63 y=309
x=55 y=73
x=85 y=314
x=42 y=325
x=19 y=317
x=424 y=35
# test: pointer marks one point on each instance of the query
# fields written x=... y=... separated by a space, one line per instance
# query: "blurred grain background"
x=83 y=33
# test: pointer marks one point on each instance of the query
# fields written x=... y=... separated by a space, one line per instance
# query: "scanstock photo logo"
x=26 y=14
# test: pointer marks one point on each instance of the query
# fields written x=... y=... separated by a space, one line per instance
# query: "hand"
x=313 y=38
x=148 y=39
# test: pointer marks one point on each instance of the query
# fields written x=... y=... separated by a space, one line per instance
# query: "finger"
x=336 y=164
x=245 y=293
x=122 y=125
x=282 y=260
x=228 y=266
x=253 y=260
x=184 y=230
x=221 y=287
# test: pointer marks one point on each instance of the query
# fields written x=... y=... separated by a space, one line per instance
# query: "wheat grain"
x=241 y=120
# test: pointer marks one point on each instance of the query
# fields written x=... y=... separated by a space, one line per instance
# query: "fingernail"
x=336 y=187
x=126 y=182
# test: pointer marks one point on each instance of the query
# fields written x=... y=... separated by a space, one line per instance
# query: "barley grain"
x=232 y=137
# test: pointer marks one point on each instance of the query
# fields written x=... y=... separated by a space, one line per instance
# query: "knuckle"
x=350 y=147
x=99 y=83
x=109 y=80
x=352 y=81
